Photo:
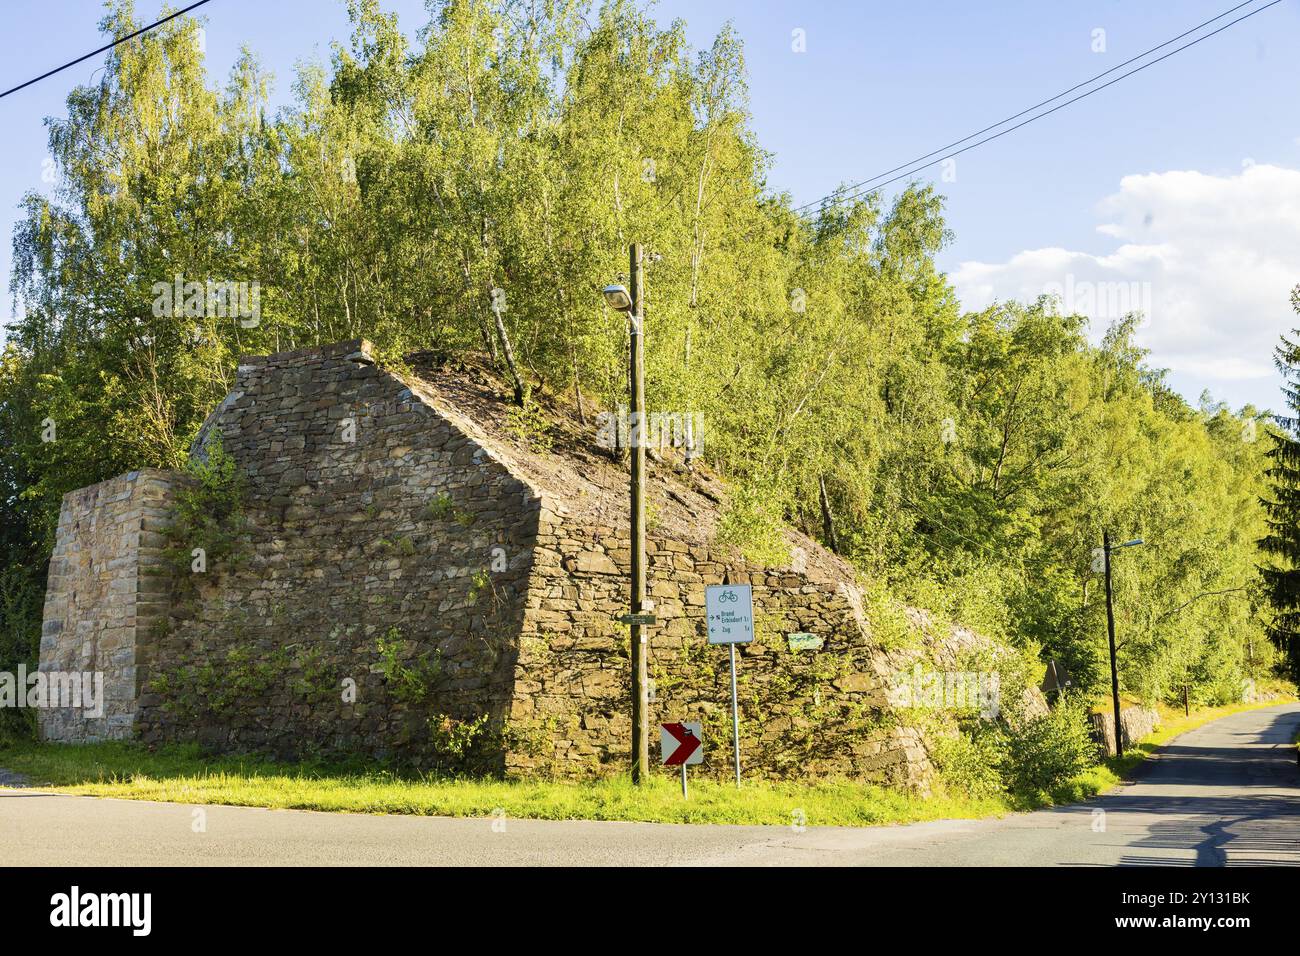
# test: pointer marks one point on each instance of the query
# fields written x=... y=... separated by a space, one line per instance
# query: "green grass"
x=183 y=774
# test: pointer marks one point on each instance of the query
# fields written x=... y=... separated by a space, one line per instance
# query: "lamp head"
x=617 y=298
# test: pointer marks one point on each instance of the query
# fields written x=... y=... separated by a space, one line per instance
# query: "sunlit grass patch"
x=184 y=775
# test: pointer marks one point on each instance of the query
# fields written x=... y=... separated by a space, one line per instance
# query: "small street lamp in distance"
x=1107 y=548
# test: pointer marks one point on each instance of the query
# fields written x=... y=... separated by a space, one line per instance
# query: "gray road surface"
x=1227 y=793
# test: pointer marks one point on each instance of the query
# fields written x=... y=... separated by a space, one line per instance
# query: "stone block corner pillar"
x=108 y=593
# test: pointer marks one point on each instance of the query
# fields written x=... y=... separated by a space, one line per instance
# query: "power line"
x=854 y=191
x=107 y=46
x=1053 y=99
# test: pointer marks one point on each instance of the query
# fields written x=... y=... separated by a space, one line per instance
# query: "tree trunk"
x=509 y=354
x=828 y=519
x=577 y=388
x=489 y=342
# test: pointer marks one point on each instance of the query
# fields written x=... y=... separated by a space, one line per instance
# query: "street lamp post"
x=632 y=303
x=1110 y=633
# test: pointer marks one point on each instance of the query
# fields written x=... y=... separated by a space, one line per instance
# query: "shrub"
x=530 y=424
x=752 y=522
x=1046 y=751
x=968 y=762
x=453 y=739
x=22 y=597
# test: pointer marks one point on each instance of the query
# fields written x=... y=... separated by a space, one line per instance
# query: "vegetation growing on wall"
x=409 y=681
x=208 y=522
x=222 y=687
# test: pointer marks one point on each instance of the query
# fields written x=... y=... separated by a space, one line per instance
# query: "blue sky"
x=1177 y=190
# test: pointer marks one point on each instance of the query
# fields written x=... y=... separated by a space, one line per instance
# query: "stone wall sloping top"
x=575 y=478
x=584 y=482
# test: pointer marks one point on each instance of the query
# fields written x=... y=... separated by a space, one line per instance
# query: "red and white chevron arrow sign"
x=681 y=744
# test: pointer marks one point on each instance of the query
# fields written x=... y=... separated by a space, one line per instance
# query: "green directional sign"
x=801 y=641
x=642 y=619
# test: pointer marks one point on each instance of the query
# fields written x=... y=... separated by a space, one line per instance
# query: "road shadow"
x=1253 y=821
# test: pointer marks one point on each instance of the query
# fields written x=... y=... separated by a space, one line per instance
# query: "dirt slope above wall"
x=587 y=481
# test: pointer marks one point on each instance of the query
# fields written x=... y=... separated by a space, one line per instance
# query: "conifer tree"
x=1282 y=577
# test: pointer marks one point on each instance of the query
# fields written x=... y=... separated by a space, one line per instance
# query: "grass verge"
x=183 y=774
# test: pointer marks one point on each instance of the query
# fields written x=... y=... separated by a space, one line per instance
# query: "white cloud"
x=1209 y=259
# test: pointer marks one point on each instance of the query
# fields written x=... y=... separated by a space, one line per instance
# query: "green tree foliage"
x=474 y=190
x=1282 y=543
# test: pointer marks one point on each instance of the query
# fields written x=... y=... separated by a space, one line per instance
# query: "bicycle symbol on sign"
x=727 y=597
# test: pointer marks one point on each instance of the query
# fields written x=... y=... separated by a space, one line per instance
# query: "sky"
x=1175 y=192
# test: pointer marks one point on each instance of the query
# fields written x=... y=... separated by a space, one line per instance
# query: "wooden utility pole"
x=1110 y=631
x=640 y=705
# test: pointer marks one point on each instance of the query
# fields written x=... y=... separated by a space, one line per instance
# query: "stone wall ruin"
x=416 y=583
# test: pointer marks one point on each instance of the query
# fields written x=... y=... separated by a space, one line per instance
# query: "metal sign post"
x=681 y=744
x=730 y=612
x=735 y=713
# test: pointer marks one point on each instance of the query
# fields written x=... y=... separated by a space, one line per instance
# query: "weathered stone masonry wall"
x=389 y=536
x=802 y=712
x=391 y=543
x=105 y=597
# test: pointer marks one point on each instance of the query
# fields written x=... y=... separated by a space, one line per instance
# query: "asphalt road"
x=1227 y=793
